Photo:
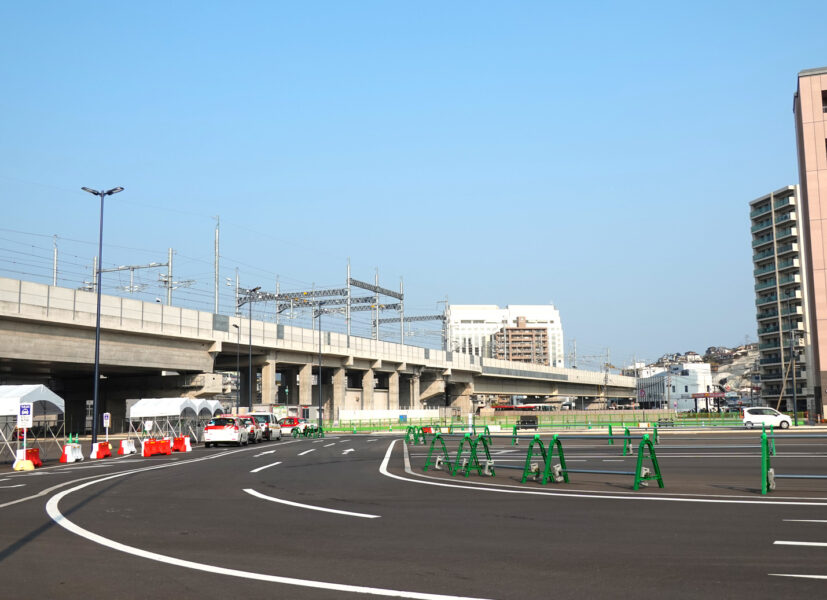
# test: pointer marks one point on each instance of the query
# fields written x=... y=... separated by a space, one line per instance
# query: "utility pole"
x=217 y=225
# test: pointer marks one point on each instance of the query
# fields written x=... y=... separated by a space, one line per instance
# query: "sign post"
x=107 y=417
x=25 y=420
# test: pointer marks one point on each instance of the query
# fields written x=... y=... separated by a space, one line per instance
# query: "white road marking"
x=310 y=506
x=798 y=576
x=263 y=453
x=307 y=452
x=803 y=521
x=6 y=487
x=265 y=467
x=611 y=460
x=369 y=441
x=348 y=451
x=505 y=489
x=52 y=509
x=329 y=445
x=817 y=544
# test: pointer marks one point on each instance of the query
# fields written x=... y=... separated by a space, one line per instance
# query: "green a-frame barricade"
x=465 y=459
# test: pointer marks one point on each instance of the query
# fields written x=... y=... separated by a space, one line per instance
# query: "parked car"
x=225 y=430
x=253 y=430
x=287 y=425
x=270 y=428
x=769 y=417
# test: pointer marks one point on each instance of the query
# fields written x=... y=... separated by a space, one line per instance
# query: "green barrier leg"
x=627 y=443
x=611 y=439
x=408 y=435
x=485 y=444
x=655 y=428
x=447 y=459
x=765 y=463
x=647 y=443
x=553 y=445
x=536 y=441
x=457 y=463
x=514 y=440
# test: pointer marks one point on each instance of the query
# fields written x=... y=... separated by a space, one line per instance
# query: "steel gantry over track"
x=342 y=297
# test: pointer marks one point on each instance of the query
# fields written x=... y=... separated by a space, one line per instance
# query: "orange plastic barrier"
x=33 y=454
x=71 y=453
x=181 y=444
x=151 y=447
x=101 y=450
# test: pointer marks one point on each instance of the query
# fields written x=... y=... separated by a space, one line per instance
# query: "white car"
x=269 y=426
x=225 y=430
x=769 y=417
x=253 y=430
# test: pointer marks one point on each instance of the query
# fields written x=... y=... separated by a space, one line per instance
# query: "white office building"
x=471 y=327
x=674 y=386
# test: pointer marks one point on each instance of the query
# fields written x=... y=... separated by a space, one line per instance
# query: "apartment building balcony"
x=763 y=254
x=790 y=279
x=765 y=285
x=768 y=329
x=765 y=315
x=786 y=233
x=762 y=240
x=792 y=310
x=783 y=249
x=762 y=210
x=790 y=294
x=787 y=264
x=771 y=345
x=789 y=217
x=760 y=226
x=774 y=359
x=782 y=202
x=770 y=268
x=766 y=300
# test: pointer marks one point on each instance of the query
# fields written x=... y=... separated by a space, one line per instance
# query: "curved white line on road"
x=310 y=506
x=503 y=489
x=53 y=510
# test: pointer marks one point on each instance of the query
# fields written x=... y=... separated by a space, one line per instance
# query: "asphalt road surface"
x=356 y=516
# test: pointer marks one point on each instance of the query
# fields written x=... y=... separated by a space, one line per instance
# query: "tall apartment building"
x=781 y=299
x=471 y=328
x=810 y=109
x=522 y=343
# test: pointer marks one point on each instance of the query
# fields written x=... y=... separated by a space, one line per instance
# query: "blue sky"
x=597 y=156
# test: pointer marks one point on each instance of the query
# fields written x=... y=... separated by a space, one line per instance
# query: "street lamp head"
x=91 y=191
x=255 y=289
x=114 y=190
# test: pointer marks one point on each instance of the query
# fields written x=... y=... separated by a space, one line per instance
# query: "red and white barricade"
x=100 y=450
x=71 y=453
x=126 y=447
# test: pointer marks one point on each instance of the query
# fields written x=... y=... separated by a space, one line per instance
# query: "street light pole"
x=237 y=369
x=320 y=371
x=250 y=355
x=102 y=194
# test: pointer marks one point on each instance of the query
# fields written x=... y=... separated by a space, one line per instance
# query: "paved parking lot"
x=356 y=516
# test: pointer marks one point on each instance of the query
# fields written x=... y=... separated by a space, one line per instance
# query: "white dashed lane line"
x=265 y=467
x=307 y=452
x=329 y=445
x=348 y=451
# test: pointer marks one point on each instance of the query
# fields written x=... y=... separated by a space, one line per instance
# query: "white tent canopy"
x=45 y=401
x=171 y=407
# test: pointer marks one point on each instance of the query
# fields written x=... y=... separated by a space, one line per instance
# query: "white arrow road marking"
x=348 y=450
x=309 y=506
x=307 y=452
x=265 y=467
x=263 y=453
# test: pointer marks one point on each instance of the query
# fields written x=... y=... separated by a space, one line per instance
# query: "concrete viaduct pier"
x=149 y=350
